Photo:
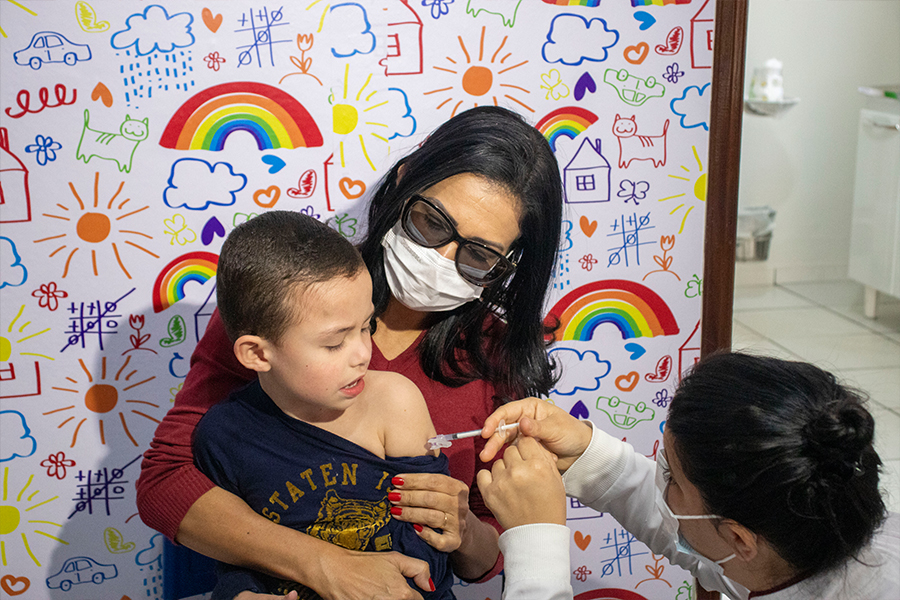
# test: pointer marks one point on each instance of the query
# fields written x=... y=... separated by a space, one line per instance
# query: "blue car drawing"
x=51 y=47
x=81 y=569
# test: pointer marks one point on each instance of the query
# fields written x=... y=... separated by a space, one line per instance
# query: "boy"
x=314 y=442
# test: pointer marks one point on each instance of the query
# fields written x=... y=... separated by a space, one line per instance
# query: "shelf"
x=881 y=91
x=769 y=108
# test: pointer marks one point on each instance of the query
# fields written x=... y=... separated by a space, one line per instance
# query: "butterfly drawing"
x=177 y=332
x=673 y=42
x=305 y=186
x=87 y=18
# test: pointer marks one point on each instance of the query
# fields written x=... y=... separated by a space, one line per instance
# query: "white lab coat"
x=611 y=477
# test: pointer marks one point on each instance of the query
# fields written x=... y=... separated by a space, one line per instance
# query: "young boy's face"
x=319 y=365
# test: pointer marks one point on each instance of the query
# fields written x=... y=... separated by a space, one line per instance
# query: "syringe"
x=444 y=440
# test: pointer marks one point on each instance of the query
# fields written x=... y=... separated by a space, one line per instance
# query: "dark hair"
x=464 y=344
x=266 y=261
x=783 y=449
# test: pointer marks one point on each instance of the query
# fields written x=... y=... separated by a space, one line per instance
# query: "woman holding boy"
x=461 y=243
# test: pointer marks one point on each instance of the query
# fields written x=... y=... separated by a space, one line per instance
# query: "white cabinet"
x=875 y=229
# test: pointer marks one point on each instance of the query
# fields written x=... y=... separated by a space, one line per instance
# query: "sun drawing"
x=325 y=11
x=478 y=77
x=26 y=9
x=10 y=337
x=349 y=114
x=95 y=227
x=12 y=511
x=101 y=398
x=699 y=191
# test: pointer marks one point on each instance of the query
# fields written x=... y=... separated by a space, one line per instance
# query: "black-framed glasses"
x=428 y=226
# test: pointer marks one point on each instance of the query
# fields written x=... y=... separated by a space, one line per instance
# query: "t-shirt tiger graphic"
x=349 y=523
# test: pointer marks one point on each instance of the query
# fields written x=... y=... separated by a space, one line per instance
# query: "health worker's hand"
x=432 y=501
x=255 y=596
x=557 y=430
x=524 y=486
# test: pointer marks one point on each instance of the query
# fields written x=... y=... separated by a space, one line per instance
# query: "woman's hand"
x=524 y=486
x=432 y=501
x=375 y=575
x=557 y=430
x=364 y=576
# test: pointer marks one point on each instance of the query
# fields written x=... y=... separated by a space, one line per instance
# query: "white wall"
x=802 y=164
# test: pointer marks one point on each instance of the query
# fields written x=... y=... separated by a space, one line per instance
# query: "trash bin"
x=755 y=225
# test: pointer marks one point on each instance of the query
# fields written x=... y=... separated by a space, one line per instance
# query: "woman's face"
x=684 y=499
x=481 y=211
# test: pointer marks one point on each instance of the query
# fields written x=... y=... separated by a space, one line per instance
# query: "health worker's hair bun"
x=837 y=437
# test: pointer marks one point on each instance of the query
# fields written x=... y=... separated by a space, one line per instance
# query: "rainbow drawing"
x=635 y=309
x=658 y=2
x=588 y=3
x=274 y=118
x=193 y=266
x=570 y=121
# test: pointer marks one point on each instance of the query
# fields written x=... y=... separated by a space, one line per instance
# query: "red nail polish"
x=418 y=527
x=431 y=584
x=397 y=481
x=396 y=510
x=394 y=496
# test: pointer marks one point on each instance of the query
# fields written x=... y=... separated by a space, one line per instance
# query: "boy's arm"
x=403 y=416
x=472 y=543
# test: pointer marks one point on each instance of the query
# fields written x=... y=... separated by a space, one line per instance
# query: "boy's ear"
x=253 y=352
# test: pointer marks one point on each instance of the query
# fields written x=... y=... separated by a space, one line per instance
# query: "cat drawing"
x=639 y=147
x=118 y=147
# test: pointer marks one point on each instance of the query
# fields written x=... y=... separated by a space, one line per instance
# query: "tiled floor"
x=824 y=323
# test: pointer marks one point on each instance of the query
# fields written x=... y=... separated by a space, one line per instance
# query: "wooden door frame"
x=725 y=118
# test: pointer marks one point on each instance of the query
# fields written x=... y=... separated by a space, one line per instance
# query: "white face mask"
x=420 y=278
x=670 y=519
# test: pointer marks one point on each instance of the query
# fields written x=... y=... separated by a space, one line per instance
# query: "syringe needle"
x=444 y=440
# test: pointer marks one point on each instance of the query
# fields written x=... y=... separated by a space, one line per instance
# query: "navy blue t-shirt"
x=311 y=480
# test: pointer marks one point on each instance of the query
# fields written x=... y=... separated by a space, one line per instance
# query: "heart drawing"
x=102 y=93
x=352 y=188
x=582 y=540
x=15 y=586
x=627 y=382
x=587 y=226
x=584 y=84
x=212 y=22
x=636 y=54
x=267 y=197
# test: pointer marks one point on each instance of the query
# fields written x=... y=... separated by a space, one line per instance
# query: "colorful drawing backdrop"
x=135 y=136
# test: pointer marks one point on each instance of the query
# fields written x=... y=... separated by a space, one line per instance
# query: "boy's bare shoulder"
x=397 y=401
x=393 y=392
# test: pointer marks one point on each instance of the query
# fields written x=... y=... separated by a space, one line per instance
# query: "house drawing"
x=203 y=314
x=586 y=177
x=702 y=27
x=22 y=384
x=15 y=200
x=404 y=40
x=689 y=351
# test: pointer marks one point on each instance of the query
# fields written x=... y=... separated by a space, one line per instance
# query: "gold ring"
x=446 y=517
